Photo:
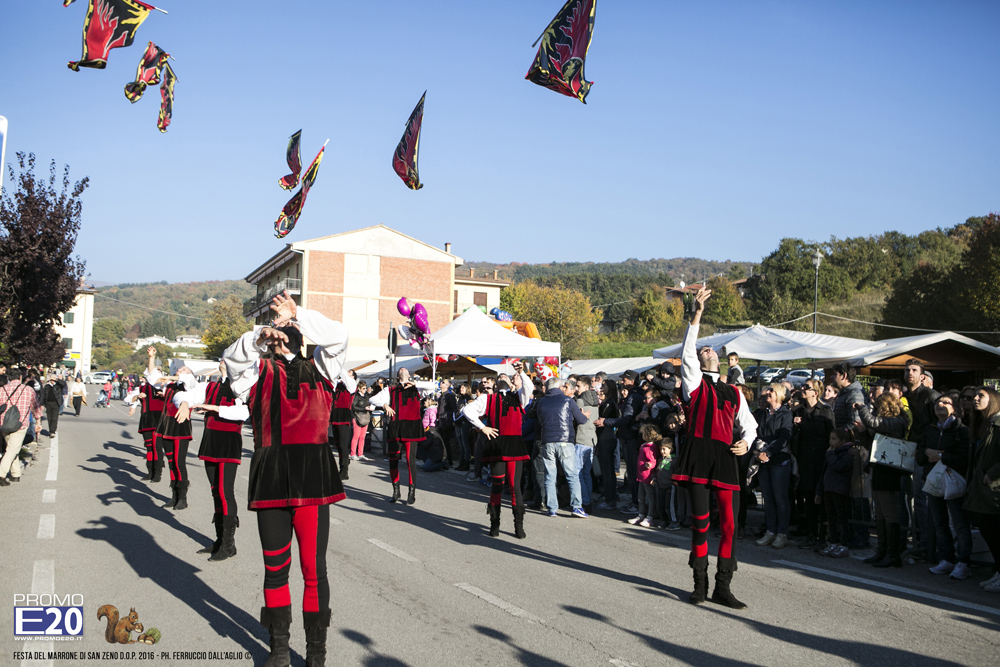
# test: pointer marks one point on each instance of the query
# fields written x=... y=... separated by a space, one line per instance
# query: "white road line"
x=53 y=470
x=46 y=526
x=49 y=496
x=497 y=602
x=621 y=663
x=43 y=582
x=336 y=522
x=393 y=550
x=891 y=587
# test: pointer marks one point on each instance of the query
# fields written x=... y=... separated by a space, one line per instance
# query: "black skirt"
x=169 y=428
x=406 y=429
x=505 y=448
x=221 y=446
x=293 y=476
x=707 y=462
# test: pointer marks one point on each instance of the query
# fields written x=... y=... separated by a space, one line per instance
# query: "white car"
x=799 y=376
x=767 y=376
x=100 y=377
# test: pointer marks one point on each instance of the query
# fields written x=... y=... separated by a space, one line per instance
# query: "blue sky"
x=712 y=130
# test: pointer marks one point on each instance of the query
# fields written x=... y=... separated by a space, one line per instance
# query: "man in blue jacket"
x=558 y=416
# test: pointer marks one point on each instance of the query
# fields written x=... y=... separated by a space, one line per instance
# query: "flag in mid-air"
x=109 y=24
x=67 y=3
x=166 y=97
x=148 y=72
x=559 y=62
x=404 y=160
x=293 y=209
x=293 y=155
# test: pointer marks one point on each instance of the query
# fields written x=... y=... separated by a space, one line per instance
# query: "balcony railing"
x=254 y=303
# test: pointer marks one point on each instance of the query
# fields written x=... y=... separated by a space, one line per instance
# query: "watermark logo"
x=48 y=616
x=120 y=628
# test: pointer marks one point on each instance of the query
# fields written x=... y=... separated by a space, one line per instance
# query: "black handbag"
x=10 y=417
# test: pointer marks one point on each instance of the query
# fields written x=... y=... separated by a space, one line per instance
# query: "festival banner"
x=67 y=3
x=109 y=24
x=293 y=209
x=404 y=160
x=293 y=155
x=560 y=59
x=148 y=72
x=166 y=97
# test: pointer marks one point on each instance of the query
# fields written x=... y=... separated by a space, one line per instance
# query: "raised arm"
x=690 y=365
x=242 y=360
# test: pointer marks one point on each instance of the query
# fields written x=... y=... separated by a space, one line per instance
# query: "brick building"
x=473 y=290
x=356 y=278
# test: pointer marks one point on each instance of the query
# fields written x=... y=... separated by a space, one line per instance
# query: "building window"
x=67 y=318
x=67 y=343
x=479 y=299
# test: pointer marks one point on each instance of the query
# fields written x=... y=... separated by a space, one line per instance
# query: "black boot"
x=883 y=544
x=157 y=471
x=228 y=548
x=316 y=623
x=519 y=522
x=214 y=546
x=723 y=577
x=345 y=463
x=278 y=621
x=494 y=512
x=395 y=492
x=173 y=495
x=411 y=497
x=149 y=471
x=182 y=496
x=700 y=568
x=892 y=559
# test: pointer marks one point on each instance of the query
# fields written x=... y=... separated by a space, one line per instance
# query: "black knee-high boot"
x=149 y=471
x=228 y=548
x=182 y=496
x=883 y=542
x=494 y=512
x=173 y=495
x=894 y=548
x=395 y=492
x=214 y=546
x=519 y=522
x=157 y=471
x=725 y=568
x=278 y=621
x=411 y=497
x=700 y=568
x=316 y=623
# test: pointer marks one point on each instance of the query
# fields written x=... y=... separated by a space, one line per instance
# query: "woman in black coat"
x=775 y=474
x=813 y=422
x=606 y=443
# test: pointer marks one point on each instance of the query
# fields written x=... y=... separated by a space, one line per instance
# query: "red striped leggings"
x=222 y=477
x=311 y=526
x=154 y=446
x=395 y=447
x=176 y=451
x=729 y=507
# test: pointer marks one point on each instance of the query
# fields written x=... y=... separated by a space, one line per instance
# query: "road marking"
x=43 y=582
x=497 y=602
x=336 y=522
x=49 y=496
x=53 y=470
x=393 y=550
x=891 y=587
x=622 y=663
x=46 y=526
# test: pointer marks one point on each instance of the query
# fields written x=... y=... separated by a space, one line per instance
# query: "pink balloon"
x=420 y=318
x=403 y=306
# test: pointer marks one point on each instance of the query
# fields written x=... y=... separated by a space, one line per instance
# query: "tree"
x=560 y=314
x=654 y=316
x=225 y=324
x=39 y=275
x=726 y=305
x=977 y=278
x=108 y=330
x=160 y=324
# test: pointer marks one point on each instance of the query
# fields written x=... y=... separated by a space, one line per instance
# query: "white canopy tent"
x=475 y=334
x=613 y=367
x=764 y=344
x=892 y=347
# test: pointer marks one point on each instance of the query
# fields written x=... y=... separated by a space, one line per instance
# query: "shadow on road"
x=525 y=656
x=179 y=579
x=374 y=658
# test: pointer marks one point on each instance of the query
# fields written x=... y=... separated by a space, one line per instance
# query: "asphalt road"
x=425 y=585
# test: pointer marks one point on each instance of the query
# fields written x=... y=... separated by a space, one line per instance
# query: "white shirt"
x=744 y=426
x=242 y=358
x=473 y=410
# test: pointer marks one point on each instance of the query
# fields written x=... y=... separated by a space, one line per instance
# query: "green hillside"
x=156 y=307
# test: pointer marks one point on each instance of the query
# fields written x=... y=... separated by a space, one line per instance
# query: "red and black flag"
x=293 y=209
x=166 y=97
x=559 y=62
x=148 y=72
x=404 y=160
x=67 y=3
x=109 y=24
x=293 y=155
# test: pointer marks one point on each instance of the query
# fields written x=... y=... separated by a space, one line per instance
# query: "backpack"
x=10 y=417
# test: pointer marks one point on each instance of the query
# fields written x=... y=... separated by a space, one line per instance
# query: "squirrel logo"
x=119 y=630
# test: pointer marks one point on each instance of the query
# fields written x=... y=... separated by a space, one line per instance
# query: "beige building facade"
x=76 y=328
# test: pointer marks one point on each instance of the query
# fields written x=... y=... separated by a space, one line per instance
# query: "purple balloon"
x=403 y=306
x=420 y=318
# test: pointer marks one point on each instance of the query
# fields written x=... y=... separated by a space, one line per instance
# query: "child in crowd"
x=834 y=489
x=646 y=475
x=672 y=499
x=664 y=484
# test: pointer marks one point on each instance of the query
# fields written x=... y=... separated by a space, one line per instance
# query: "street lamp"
x=817 y=259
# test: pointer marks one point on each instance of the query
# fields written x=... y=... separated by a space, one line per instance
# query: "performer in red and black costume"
x=174 y=431
x=149 y=399
x=720 y=427
x=342 y=420
x=221 y=450
x=293 y=475
x=505 y=450
x=405 y=411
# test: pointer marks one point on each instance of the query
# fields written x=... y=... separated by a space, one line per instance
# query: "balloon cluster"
x=418 y=327
x=501 y=315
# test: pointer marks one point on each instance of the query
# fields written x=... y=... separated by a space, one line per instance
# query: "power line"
x=155 y=310
x=878 y=324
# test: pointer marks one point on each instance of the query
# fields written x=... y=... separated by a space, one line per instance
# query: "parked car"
x=799 y=376
x=750 y=374
x=99 y=377
x=769 y=375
